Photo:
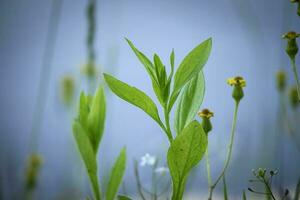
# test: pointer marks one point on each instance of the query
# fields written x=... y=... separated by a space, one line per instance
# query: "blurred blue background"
x=246 y=41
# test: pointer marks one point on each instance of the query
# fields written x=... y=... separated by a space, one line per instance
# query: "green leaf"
x=191 y=65
x=190 y=101
x=133 y=96
x=122 y=197
x=96 y=118
x=225 y=189
x=83 y=110
x=87 y=153
x=116 y=176
x=143 y=59
x=185 y=152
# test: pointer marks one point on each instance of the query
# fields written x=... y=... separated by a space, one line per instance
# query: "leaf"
x=83 y=110
x=133 y=96
x=96 y=118
x=225 y=189
x=116 y=176
x=123 y=197
x=143 y=59
x=88 y=156
x=190 y=101
x=185 y=152
x=190 y=67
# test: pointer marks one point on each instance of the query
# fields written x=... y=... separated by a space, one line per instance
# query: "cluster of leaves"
x=88 y=130
x=190 y=142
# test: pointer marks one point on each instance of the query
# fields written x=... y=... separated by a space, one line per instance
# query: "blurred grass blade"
x=225 y=189
x=116 y=175
x=297 y=192
x=244 y=195
x=123 y=197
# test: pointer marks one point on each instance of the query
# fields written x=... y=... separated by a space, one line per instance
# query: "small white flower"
x=147 y=159
x=162 y=170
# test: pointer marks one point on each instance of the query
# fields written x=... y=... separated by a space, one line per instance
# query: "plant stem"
x=269 y=188
x=43 y=87
x=167 y=121
x=229 y=152
x=296 y=76
x=95 y=186
x=209 y=181
x=138 y=181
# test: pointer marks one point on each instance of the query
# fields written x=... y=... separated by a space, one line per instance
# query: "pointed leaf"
x=116 y=176
x=190 y=101
x=190 y=67
x=185 y=152
x=133 y=96
x=96 y=118
x=88 y=156
x=123 y=197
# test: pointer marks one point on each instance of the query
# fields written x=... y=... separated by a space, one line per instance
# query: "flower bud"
x=281 y=80
x=32 y=171
x=298 y=2
x=206 y=114
x=293 y=97
x=68 y=89
x=238 y=83
x=89 y=70
x=292 y=46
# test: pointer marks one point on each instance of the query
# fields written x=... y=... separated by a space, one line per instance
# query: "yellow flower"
x=237 y=81
x=205 y=113
x=290 y=35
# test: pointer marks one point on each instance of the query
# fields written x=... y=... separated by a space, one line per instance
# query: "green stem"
x=167 y=121
x=209 y=181
x=269 y=189
x=296 y=76
x=138 y=181
x=95 y=186
x=43 y=87
x=229 y=152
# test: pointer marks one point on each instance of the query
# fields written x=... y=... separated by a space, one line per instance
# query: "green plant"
x=292 y=50
x=237 y=94
x=88 y=130
x=189 y=143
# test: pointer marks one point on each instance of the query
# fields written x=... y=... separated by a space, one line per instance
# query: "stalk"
x=43 y=88
x=296 y=76
x=229 y=152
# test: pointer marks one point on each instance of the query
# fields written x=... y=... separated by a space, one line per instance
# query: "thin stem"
x=43 y=87
x=167 y=121
x=138 y=181
x=296 y=76
x=229 y=152
x=269 y=189
x=209 y=181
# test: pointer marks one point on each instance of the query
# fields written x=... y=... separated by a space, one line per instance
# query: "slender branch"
x=269 y=189
x=167 y=121
x=209 y=181
x=229 y=152
x=138 y=181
